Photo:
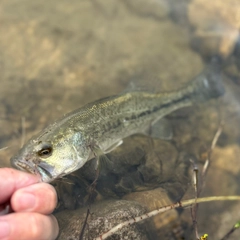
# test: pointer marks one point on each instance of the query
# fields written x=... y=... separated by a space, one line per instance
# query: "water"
x=57 y=56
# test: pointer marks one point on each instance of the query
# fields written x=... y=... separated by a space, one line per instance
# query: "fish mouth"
x=25 y=167
x=37 y=170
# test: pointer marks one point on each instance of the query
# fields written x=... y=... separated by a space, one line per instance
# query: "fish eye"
x=46 y=151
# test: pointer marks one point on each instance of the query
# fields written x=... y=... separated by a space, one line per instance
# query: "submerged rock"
x=149 y=173
x=103 y=216
x=216 y=25
x=166 y=225
x=139 y=164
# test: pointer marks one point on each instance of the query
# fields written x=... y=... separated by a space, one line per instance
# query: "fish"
x=99 y=127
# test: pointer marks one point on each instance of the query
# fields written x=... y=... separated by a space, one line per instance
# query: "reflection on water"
x=57 y=56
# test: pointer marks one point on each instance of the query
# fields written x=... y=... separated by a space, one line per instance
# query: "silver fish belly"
x=98 y=127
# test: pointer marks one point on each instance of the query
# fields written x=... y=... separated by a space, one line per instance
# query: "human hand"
x=32 y=203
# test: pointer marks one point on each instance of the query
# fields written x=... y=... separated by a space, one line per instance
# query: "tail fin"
x=208 y=84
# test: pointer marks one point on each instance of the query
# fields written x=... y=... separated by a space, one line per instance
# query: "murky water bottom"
x=57 y=56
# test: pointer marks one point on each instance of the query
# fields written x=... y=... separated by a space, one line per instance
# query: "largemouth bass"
x=99 y=127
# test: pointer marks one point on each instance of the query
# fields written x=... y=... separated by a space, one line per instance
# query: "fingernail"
x=27 y=201
x=4 y=230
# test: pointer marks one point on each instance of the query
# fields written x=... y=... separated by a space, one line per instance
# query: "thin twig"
x=195 y=177
x=194 y=219
x=197 y=188
x=4 y=148
x=208 y=160
x=236 y=226
x=195 y=206
x=84 y=225
x=23 y=131
x=217 y=135
x=90 y=197
x=183 y=204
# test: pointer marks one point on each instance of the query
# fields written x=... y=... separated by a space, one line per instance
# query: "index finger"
x=11 y=180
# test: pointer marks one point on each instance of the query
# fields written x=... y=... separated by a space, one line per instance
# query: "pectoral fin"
x=115 y=145
x=102 y=161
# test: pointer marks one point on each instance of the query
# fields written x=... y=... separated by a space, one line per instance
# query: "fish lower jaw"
x=25 y=167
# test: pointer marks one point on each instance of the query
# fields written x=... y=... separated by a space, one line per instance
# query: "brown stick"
x=182 y=204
